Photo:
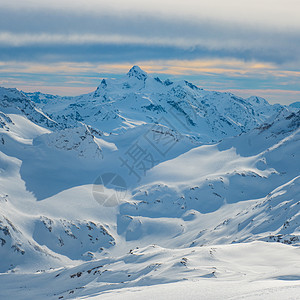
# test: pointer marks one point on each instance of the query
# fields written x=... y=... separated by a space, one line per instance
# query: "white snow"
x=203 y=201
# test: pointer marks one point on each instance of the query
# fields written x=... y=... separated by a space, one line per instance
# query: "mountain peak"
x=137 y=72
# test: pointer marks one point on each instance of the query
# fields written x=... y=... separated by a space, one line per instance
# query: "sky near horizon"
x=64 y=47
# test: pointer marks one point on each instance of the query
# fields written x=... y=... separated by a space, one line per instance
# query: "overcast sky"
x=65 y=47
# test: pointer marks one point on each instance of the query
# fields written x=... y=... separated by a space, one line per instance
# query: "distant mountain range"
x=139 y=98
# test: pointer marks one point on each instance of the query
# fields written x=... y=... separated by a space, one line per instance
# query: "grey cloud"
x=177 y=38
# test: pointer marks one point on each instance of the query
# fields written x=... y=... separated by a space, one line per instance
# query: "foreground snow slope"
x=209 y=290
x=271 y=266
x=124 y=188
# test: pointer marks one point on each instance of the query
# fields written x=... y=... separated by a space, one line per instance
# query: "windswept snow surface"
x=148 y=189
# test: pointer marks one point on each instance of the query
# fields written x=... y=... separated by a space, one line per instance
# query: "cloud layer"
x=118 y=32
x=92 y=30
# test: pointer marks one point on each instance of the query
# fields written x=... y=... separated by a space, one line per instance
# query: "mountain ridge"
x=139 y=98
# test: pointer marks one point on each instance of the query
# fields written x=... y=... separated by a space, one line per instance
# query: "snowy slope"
x=106 y=194
x=78 y=139
x=268 y=265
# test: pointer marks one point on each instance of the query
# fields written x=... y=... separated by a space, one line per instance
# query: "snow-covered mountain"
x=13 y=101
x=146 y=182
x=138 y=98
